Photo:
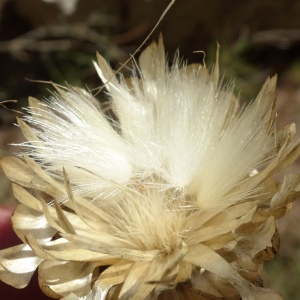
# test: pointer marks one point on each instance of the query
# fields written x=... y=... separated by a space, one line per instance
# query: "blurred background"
x=56 y=40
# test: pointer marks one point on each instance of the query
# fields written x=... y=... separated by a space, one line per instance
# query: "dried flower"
x=173 y=196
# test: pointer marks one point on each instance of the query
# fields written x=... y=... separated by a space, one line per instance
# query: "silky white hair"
x=176 y=128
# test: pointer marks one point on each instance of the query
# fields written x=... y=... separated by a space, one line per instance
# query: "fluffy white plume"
x=176 y=124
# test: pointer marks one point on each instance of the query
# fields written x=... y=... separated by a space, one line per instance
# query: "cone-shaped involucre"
x=172 y=197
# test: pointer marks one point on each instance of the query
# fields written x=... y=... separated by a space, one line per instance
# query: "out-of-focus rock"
x=68 y=7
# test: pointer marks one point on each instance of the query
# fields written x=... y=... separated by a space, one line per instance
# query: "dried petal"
x=12 y=271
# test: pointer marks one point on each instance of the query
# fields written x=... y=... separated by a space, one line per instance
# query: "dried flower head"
x=173 y=196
